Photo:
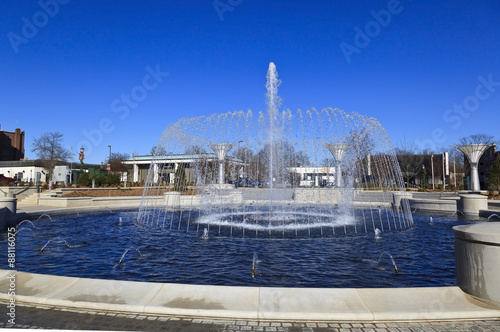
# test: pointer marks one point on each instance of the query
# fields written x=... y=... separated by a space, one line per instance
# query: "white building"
x=24 y=170
x=33 y=171
x=315 y=176
x=165 y=166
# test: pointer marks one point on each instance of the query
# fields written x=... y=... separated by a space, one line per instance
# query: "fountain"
x=278 y=150
x=206 y=232
x=236 y=222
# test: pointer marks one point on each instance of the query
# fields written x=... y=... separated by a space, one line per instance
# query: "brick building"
x=11 y=145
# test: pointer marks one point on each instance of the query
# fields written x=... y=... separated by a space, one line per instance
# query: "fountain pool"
x=92 y=246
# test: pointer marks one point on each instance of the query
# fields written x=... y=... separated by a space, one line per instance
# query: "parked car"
x=6 y=180
x=246 y=182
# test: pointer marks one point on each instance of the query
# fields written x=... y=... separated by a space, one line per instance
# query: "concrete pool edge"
x=248 y=303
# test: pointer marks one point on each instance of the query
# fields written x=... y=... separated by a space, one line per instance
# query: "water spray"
x=22 y=222
x=44 y=215
x=392 y=260
x=123 y=256
x=205 y=234
x=57 y=239
x=254 y=263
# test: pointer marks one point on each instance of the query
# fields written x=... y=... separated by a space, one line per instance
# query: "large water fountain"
x=311 y=171
x=317 y=209
x=314 y=175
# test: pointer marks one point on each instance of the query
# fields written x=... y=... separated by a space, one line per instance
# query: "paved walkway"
x=45 y=317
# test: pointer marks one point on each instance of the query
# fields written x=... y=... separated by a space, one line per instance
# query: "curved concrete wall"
x=477 y=260
x=256 y=303
x=433 y=205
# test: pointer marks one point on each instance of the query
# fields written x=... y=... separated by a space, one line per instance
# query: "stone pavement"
x=48 y=317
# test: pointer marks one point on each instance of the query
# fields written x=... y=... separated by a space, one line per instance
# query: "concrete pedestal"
x=470 y=204
x=477 y=259
x=397 y=196
x=8 y=208
x=172 y=199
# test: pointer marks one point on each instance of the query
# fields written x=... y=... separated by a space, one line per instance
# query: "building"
x=165 y=166
x=24 y=170
x=11 y=145
x=315 y=176
x=34 y=171
x=484 y=165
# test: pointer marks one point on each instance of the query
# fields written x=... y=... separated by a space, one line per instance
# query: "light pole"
x=71 y=167
x=423 y=176
x=81 y=156
x=109 y=159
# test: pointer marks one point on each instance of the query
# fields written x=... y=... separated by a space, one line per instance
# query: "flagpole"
x=444 y=172
x=432 y=170
x=455 y=172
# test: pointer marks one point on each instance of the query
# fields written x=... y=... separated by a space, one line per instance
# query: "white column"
x=136 y=173
x=155 y=173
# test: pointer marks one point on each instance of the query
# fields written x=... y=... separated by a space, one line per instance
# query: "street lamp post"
x=71 y=167
x=109 y=159
x=81 y=157
x=423 y=176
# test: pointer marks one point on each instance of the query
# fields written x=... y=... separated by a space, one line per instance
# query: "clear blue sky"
x=66 y=67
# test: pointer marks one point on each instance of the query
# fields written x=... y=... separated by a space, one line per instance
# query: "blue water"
x=91 y=245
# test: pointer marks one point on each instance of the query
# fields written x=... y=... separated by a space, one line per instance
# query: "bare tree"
x=477 y=139
x=410 y=161
x=50 y=151
x=158 y=150
x=116 y=162
x=458 y=166
x=194 y=149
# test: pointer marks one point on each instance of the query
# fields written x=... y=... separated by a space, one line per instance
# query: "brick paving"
x=45 y=317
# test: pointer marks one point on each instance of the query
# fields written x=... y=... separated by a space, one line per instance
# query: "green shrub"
x=113 y=179
x=83 y=180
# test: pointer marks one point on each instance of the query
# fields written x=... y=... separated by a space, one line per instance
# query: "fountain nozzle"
x=120 y=262
x=396 y=269
x=253 y=271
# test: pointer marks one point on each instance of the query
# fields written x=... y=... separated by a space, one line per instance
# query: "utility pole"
x=432 y=170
